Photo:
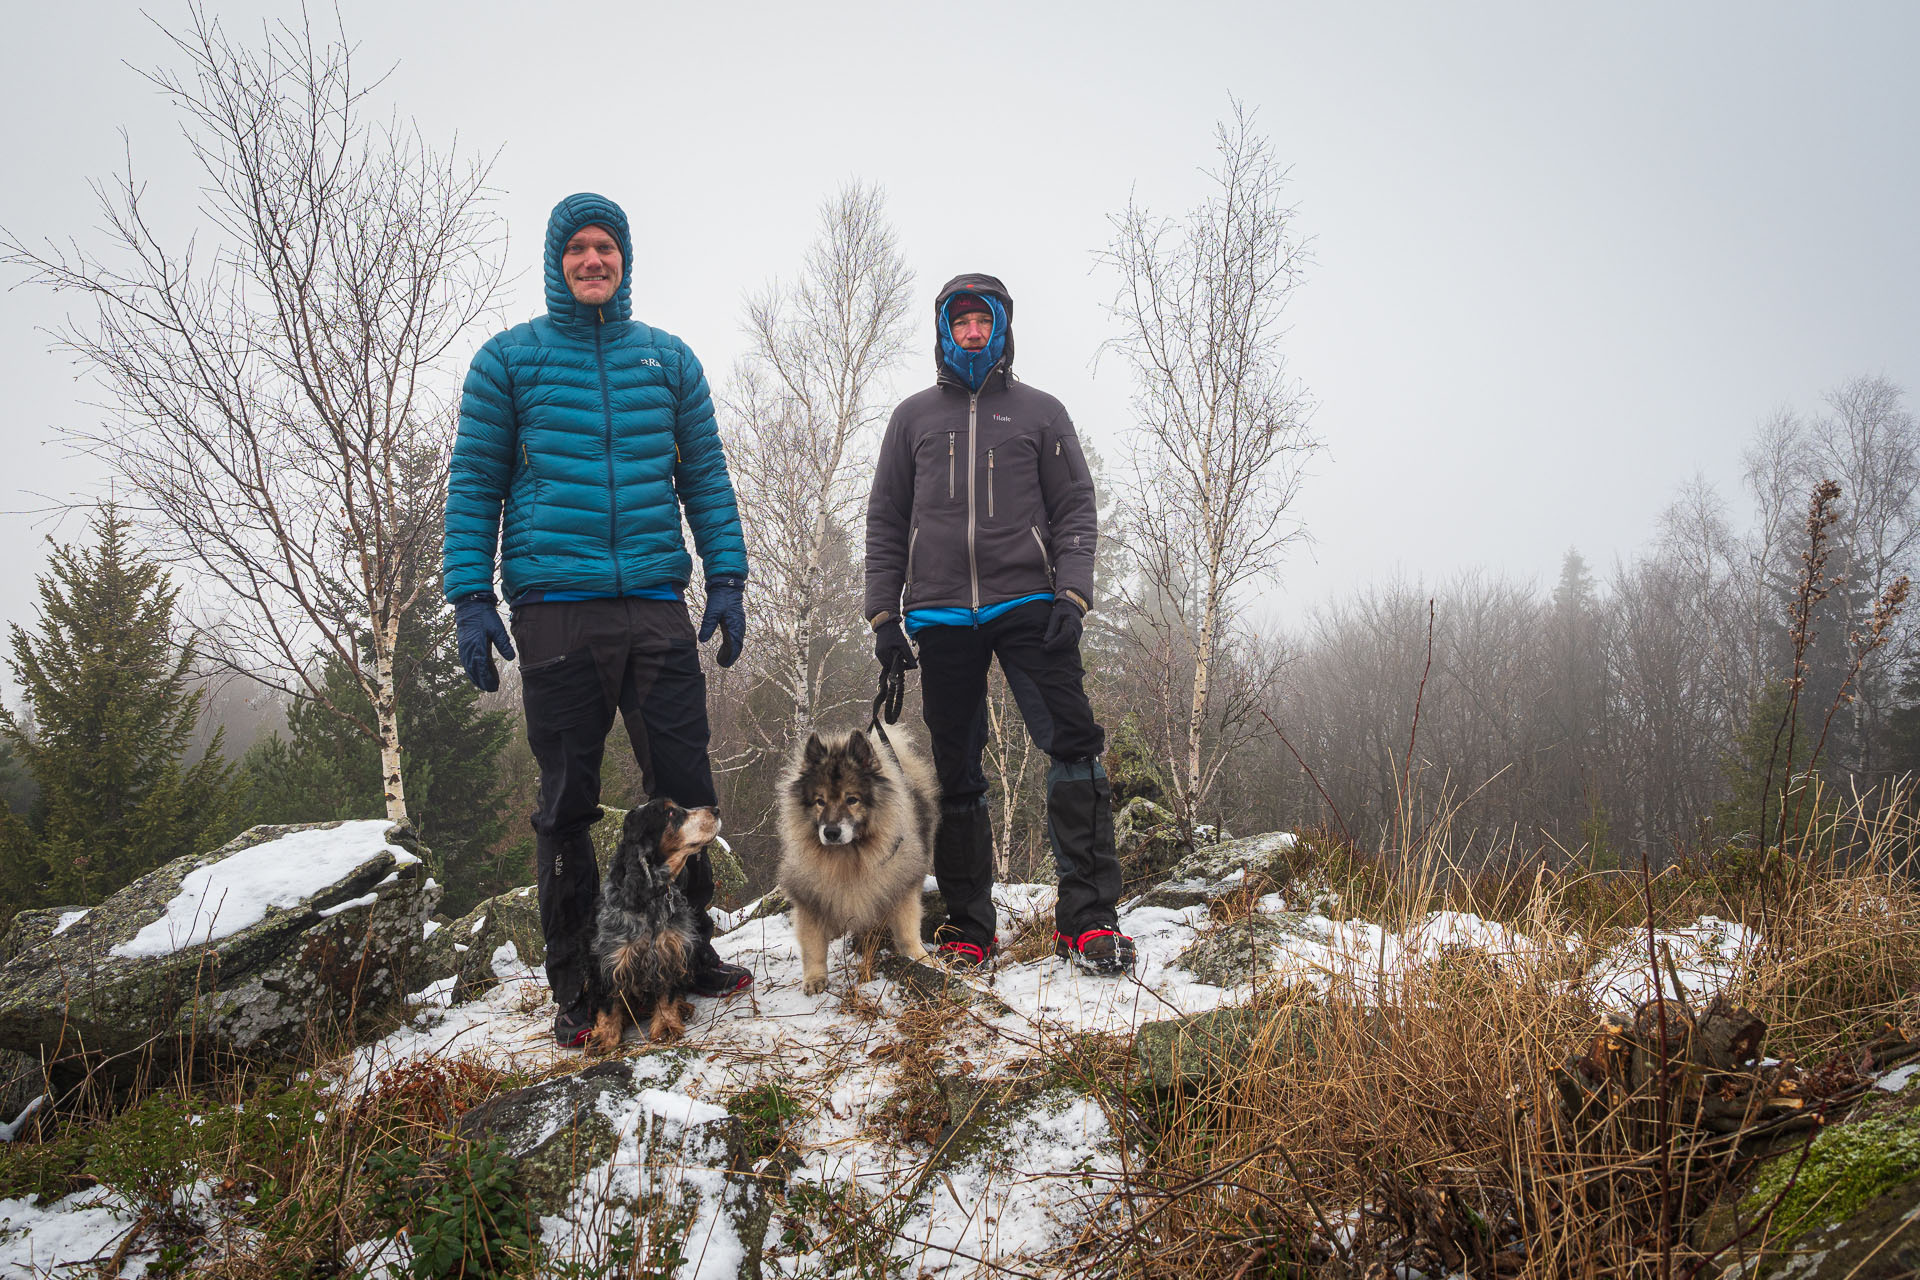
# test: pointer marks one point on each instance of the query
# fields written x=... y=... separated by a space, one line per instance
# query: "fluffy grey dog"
x=856 y=843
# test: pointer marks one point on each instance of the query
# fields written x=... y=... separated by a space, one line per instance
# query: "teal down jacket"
x=582 y=434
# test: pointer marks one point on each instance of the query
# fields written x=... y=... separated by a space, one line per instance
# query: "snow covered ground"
x=1008 y=1203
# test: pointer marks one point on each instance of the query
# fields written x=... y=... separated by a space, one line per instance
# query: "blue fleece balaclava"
x=972 y=367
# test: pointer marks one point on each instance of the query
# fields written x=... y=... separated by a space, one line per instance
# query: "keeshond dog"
x=856 y=843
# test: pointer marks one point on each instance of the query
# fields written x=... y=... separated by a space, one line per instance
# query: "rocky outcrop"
x=153 y=968
x=615 y=1142
x=1213 y=870
x=31 y=928
x=1146 y=837
x=1850 y=1209
x=558 y=1130
x=467 y=949
x=1242 y=949
x=1183 y=1052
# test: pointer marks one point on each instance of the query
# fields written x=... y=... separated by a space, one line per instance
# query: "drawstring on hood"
x=972 y=368
x=577 y=211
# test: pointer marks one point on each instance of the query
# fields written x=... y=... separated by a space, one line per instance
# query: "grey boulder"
x=131 y=976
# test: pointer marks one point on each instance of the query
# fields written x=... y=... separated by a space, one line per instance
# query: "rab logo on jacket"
x=650 y=360
x=1001 y=417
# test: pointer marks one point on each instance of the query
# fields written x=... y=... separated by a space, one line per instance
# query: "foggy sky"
x=1563 y=260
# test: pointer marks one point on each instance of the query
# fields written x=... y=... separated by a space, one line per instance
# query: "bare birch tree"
x=1216 y=454
x=804 y=406
x=1010 y=756
x=282 y=414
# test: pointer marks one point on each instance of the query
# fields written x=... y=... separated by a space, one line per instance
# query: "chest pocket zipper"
x=950 y=436
x=989 y=484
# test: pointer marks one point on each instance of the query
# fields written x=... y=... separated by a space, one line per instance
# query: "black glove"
x=479 y=630
x=1064 y=627
x=727 y=610
x=891 y=648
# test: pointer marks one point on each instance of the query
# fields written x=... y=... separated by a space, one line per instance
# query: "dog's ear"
x=860 y=751
x=815 y=752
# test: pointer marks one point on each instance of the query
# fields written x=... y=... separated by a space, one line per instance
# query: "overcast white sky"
x=1566 y=258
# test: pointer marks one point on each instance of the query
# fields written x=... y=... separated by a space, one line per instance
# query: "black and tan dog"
x=648 y=930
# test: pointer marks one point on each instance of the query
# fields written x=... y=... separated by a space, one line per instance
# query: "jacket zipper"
x=989 y=484
x=950 y=436
x=606 y=416
x=1044 y=557
x=911 y=539
x=973 y=561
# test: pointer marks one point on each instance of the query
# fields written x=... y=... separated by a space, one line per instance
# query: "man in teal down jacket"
x=583 y=435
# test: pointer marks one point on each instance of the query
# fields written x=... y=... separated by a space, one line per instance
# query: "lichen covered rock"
x=33 y=927
x=1189 y=1051
x=1146 y=838
x=1240 y=950
x=1848 y=1167
x=467 y=949
x=559 y=1130
x=153 y=966
x=1213 y=870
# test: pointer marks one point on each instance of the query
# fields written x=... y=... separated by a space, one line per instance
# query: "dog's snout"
x=834 y=833
x=701 y=825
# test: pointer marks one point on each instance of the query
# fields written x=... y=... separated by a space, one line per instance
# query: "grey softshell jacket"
x=978 y=497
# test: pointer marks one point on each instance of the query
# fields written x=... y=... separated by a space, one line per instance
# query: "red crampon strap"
x=971 y=951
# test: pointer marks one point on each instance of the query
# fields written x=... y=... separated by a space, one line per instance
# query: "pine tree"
x=1758 y=767
x=112 y=715
x=323 y=769
x=1574 y=704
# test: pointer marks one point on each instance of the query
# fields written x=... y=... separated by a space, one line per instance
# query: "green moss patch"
x=1846 y=1167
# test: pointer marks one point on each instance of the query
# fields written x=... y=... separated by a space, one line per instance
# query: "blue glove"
x=477 y=623
x=727 y=610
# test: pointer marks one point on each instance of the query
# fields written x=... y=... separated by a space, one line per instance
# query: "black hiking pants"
x=580 y=662
x=1049 y=688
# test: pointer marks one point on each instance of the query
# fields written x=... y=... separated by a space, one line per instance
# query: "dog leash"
x=887 y=702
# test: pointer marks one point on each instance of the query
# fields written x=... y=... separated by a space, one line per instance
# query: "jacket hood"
x=946 y=352
x=571 y=214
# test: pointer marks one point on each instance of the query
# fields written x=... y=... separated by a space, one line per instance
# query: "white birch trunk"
x=385 y=697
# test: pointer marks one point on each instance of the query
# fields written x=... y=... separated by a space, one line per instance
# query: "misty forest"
x=1465 y=902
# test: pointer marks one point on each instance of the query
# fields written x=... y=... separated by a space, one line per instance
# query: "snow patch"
x=219 y=900
x=365 y=900
x=68 y=919
x=1896 y=1080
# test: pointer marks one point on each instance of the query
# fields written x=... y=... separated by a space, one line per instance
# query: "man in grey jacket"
x=980 y=539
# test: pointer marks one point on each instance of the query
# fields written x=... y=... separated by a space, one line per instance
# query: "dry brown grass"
x=1425 y=1128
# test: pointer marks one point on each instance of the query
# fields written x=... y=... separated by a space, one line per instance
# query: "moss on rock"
x=1239 y=950
x=1216 y=869
x=1847 y=1166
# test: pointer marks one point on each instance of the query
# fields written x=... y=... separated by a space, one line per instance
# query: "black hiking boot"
x=721 y=979
x=1104 y=951
x=571 y=1025
x=958 y=953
